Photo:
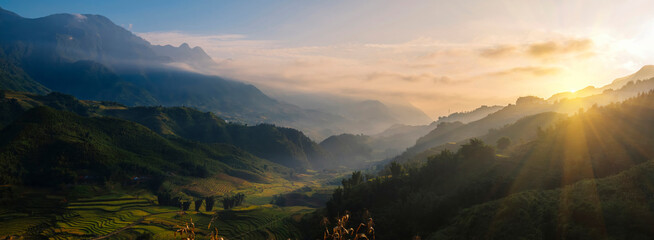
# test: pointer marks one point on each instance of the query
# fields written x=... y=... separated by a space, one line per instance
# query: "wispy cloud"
x=498 y=51
x=546 y=49
x=529 y=71
x=431 y=74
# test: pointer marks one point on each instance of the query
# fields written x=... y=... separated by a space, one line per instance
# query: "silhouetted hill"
x=522 y=131
x=474 y=115
x=645 y=73
x=351 y=151
x=525 y=106
x=351 y=115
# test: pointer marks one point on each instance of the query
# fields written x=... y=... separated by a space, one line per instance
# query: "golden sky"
x=437 y=55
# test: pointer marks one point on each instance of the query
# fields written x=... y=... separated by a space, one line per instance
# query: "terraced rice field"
x=127 y=217
x=256 y=222
x=101 y=216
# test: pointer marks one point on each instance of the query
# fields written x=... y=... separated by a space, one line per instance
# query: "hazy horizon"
x=438 y=56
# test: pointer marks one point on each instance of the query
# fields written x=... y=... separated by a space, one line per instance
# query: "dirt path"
x=131 y=225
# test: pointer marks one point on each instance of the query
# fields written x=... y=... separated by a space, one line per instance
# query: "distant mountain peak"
x=185 y=46
x=6 y=14
x=79 y=17
x=646 y=68
x=644 y=73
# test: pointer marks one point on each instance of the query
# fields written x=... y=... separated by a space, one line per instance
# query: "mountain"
x=524 y=130
x=447 y=132
x=576 y=178
x=474 y=115
x=646 y=72
x=195 y=58
x=14 y=78
x=353 y=115
x=348 y=150
x=288 y=147
x=399 y=138
x=92 y=58
x=590 y=206
x=47 y=147
x=525 y=106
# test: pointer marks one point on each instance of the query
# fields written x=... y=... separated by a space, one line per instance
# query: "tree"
x=396 y=169
x=198 y=204
x=186 y=205
x=209 y=201
x=476 y=149
x=356 y=179
x=233 y=201
x=503 y=143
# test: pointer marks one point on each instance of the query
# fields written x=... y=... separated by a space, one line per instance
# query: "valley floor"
x=133 y=213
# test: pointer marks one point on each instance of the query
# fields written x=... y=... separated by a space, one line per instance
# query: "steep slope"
x=352 y=115
x=644 y=73
x=591 y=145
x=351 y=151
x=522 y=131
x=15 y=79
x=286 y=146
x=46 y=147
x=398 y=138
x=524 y=106
x=474 y=115
x=91 y=57
x=195 y=57
x=608 y=208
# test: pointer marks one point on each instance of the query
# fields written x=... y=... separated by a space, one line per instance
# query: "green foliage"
x=503 y=143
x=198 y=204
x=476 y=150
x=209 y=202
x=286 y=146
x=348 y=149
x=14 y=78
x=47 y=147
x=563 y=185
x=232 y=201
x=616 y=207
x=396 y=169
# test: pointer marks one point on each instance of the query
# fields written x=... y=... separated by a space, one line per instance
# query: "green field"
x=128 y=217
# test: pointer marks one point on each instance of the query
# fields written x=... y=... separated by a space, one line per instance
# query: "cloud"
x=422 y=71
x=498 y=51
x=551 y=48
x=529 y=71
x=582 y=47
x=79 y=17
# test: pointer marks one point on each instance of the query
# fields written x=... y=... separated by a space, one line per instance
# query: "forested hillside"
x=285 y=146
x=590 y=146
x=47 y=147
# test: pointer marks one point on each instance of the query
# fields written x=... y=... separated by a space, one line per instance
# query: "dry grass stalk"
x=187 y=232
x=341 y=232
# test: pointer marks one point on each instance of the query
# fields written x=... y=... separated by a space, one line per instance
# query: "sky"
x=440 y=56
